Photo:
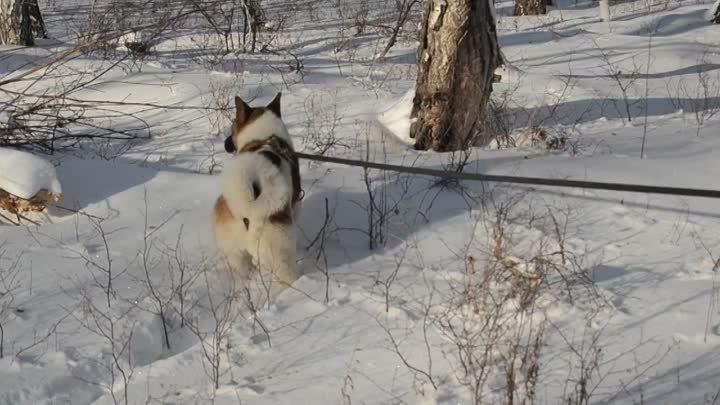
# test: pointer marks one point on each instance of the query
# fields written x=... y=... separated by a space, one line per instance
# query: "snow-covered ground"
x=633 y=319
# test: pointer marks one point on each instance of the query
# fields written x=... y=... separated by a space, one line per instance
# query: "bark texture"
x=457 y=57
x=530 y=7
x=21 y=22
x=716 y=14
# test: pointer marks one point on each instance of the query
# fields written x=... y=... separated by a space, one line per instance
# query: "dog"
x=254 y=218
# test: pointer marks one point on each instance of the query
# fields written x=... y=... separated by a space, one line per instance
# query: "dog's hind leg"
x=274 y=255
x=239 y=264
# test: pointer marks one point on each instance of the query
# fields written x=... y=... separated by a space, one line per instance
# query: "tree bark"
x=457 y=57
x=37 y=24
x=20 y=22
x=256 y=12
x=716 y=13
x=530 y=7
x=604 y=9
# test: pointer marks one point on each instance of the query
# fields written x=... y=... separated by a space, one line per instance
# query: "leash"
x=536 y=181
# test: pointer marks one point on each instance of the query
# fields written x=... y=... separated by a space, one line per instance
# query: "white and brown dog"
x=254 y=219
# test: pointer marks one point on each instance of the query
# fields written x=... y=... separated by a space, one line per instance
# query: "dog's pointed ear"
x=274 y=105
x=242 y=110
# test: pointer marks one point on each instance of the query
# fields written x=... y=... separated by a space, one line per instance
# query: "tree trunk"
x=715 y=13
x=457 y=57
x=604 y=6
x=529 y=7
x=37 y=24
x=20 y=22
x=256 y=12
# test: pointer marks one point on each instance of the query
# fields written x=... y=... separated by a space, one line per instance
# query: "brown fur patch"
x=283 y=217
x=221 y=212
x=241 y=121
x=247 y=224
x=273 y=141
x=254 y=146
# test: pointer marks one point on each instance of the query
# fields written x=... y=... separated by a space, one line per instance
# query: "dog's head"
x=252 y=123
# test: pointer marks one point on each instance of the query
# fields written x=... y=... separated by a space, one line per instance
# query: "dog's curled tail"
x=255 y=186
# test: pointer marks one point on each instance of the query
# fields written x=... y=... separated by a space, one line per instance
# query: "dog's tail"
x=256 y=186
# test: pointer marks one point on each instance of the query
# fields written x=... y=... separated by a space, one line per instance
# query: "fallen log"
x=36 y=203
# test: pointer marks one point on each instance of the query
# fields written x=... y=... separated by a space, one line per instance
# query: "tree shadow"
x=589 y=110
x=674 y=24
x=537 y=37
x=692 y=378
x=688 y=70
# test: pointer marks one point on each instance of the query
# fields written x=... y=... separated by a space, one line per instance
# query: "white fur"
x=275 y=184
x=273 y=251
x=265 y=247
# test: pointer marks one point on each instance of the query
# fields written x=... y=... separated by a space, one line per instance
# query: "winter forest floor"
x=471 y=293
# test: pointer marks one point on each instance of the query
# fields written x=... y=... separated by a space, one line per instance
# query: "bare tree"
x=715 y=13
x=9 y=285
x=404 y=9
x=20 y=22
x=457 y=57
x=161 y=299
x=117 y=359
x=224 y=18
x=220 y=312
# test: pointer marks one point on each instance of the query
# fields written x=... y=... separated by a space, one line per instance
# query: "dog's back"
x=257 y=185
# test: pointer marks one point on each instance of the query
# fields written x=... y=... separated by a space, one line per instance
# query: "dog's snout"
x=229 y=145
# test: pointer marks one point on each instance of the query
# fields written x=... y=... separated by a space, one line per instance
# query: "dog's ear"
x=242 y=111
x=274 y=105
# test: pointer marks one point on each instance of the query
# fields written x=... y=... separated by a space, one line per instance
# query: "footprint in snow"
x=253 y=386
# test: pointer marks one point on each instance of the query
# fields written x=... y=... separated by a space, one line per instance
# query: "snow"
x=24 y=174
x=144 y=211
x=396 y=117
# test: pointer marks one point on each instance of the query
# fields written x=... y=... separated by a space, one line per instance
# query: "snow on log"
x=27 y=182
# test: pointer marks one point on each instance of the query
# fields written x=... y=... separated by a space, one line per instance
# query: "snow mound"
x=508 y=73
x=396 y=118
x=23 y=174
